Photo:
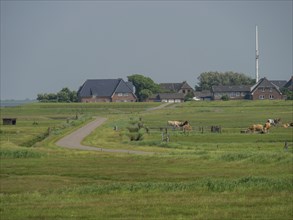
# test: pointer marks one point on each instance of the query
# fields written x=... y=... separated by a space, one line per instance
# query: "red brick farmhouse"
x=106 y=90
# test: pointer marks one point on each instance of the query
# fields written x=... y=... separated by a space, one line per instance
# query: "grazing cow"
x=187 y=127
x=256 y=127
x=274 y=122
x=288 y=125
x=184 y=123
x=266 y=127
x=175 y=124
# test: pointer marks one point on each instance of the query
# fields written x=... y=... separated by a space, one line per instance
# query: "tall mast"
x=256 y=54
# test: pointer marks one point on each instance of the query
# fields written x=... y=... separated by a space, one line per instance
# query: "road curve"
x=73 y=140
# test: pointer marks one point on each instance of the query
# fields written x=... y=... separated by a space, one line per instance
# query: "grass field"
x=228 y=175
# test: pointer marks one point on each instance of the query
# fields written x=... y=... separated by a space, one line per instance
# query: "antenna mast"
x=256 y=54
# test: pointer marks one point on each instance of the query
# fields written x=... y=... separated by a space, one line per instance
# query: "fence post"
x=286 y=146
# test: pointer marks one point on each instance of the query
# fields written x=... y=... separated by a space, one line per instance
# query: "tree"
x=145 y=93
x=189 y=96
x=209 y=79
x=288 y=93
x=64 y=95
x=144 y=86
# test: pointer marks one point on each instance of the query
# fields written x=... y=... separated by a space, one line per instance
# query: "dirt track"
x=73 y=140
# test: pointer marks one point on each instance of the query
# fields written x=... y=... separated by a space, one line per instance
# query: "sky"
x=49 y=45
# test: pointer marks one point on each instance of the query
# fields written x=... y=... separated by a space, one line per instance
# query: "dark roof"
x=279 y=83
x=103 y=87
x=289 y=84
x=203 y=94
x=130 y=85
x=240 y=88
x=264 y=83
x=175 y=86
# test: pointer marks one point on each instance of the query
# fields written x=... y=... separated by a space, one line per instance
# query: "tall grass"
x=19 y=153
x=246 y=183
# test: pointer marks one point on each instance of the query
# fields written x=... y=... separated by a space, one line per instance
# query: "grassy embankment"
x=196 y=175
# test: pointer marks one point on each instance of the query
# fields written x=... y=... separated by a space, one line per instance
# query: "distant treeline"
x=64 y=95
x=209 y=79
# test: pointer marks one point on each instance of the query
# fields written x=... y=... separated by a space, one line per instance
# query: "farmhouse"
x=233 y=92
x=106 y=90
x=183 y=88
x=172 y=92
x=266 y=89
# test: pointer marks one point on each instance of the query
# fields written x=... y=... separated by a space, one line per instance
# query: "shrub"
x=19 y=154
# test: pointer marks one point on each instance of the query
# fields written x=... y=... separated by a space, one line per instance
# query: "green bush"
x=19 y=154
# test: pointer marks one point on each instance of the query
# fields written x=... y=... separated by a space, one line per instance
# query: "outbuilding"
x=9 y=121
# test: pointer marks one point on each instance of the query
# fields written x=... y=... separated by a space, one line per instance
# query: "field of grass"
x=228 y=175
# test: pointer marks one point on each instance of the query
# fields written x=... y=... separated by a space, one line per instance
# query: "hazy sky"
x=48 y=45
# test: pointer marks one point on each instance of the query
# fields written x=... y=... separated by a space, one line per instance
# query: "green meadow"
x=195 y=175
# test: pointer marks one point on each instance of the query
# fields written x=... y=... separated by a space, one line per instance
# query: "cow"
x=174 y=124
x=184 y=123
x=274 y=122
x=255 y=127
x=266 y=127
x=187 y=127
x=288 y=125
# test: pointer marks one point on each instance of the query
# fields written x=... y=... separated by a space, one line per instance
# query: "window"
x=271 y=97
x=261 y=97
x=120 y=94
x=232 y=94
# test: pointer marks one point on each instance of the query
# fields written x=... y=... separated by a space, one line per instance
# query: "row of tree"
x=209 y=79
x=64 y=95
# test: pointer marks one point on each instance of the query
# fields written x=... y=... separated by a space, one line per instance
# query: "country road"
x=73 y=140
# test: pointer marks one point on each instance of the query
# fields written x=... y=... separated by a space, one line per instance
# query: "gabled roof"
x=175 y=86
x=264 y=83
x=103 y=87
x=289 y=84
x=279 y=83
x=239 y=88
x=185 y=85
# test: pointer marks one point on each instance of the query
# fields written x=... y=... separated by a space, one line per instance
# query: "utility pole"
x=256 y=54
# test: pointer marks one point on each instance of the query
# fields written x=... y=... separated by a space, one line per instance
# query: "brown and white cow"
x=255 y=128
x=266 y=127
